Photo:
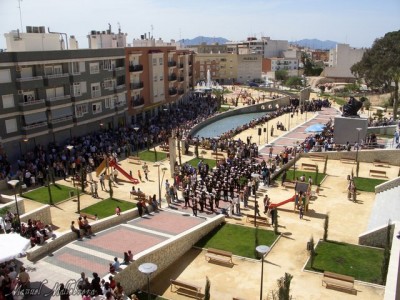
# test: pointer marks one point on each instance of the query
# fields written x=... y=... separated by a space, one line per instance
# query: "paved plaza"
x=347 y=221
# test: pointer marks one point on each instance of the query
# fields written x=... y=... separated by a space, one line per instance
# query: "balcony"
x=32 y=104
x=172 y=77
x=190 y=74
x=136 y=68
x=56 y=79
x=181 y=78
x=171 y=64
x=59 y=100
x=96 y=94
x=119 y=71
x=136 y=85
x=139 y=101
x=29 y=83
x=35 y=128
x=190 y=62
x=181 y=91
x=172 y=91
x=120 y=87
x=60 y=122
x=181 y=65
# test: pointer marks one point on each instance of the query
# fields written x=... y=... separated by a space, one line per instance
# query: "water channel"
x=221 y=126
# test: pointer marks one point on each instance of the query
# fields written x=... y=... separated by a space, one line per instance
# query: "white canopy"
x=12 y=245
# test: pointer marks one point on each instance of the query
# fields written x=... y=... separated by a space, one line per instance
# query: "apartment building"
x=264 y=46
x=223 y=67
x=156 y=76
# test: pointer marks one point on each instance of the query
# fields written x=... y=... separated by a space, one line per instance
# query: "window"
x=96 y=108
x=11 y=125
x=76 y=89
x=109 y=102
x=109 y=83
x=8 y=101
x=95 y=89
x=75 y=67
x=48 y=70
x=107 y=64
x=155 y=78
x=57 y=69
x=5 y=76
x=160 y=60
x=161 y=77
x=81 y=110
x=155 y=92
x=94 y=68
x=154 y=61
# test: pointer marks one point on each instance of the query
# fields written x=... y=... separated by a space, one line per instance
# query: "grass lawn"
x=367 y=184
x=149 y=156
x=239 y=240
x=58 y=193
x=290 y=176
x=211 y=162
x=362 y=263
x=106 y=207
x=224 y=108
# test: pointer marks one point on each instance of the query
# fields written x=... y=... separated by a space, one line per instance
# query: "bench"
x=289 y=184
x=185 y=288
x=89 y=216
x=347 y=160
x=315 y=157
x=137 y=194
x=378 y=163
x=135 y=160
x=219 y=255
x=165 y=148
x=377 y=173
x=309 y=166
x=338 y=281
x=262 y=220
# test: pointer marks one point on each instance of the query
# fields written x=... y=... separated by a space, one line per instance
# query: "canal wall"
x=267 y=106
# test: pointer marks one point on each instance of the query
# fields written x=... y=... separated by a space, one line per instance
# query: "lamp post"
x=358 y=142
x=148 y=269
x=137 y=140
x=255 y=176
x=158 y=165
x=262 y=250
x=14 y=184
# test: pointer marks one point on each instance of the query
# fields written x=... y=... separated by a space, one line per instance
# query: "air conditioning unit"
x=20 y=92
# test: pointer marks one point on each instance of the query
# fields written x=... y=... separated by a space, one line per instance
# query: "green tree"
x=294 y=81
x=380 y=65
x=281 y=75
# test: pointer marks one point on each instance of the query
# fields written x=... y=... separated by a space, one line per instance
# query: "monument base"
x=349 y=130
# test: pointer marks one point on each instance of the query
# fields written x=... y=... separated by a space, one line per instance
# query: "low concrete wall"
x=374 y=238
x=11 y=205
x=387 y=185
x=392 y=290
x=370 y=156
x=66 y=237
x=389 y=130
x=242 y=110
x=163 y=255
x=42 y=213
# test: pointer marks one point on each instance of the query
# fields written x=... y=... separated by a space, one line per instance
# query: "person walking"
x=103 y=186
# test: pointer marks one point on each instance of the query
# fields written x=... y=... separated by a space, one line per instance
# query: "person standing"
x=194 y=206
x=237 y=204
x=145 y=168
x=301 y=211
x=103 y=186
x=283 y=178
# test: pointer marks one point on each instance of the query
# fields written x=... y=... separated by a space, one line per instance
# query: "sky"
x=355 y=22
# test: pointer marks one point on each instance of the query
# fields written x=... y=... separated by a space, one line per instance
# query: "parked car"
x=253 y=84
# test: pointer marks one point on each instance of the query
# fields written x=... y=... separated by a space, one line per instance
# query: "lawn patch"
x=362 y=263
x=106 y=208
x=195 y=161
x=240 y=240
x=58 y=193
x=149 y=155
x=290 y=176
x=367 y=184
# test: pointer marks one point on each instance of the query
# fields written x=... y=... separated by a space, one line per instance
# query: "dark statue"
x=351 y=108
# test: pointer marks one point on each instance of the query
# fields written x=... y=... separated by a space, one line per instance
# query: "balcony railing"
x=35 y=125
x=57 y=98
x=120 y=87
x=181 y=91
x=181 y=65
x=32 y=102
x=137 y=101
x=172 y=91
x=96 y=94
x=172 y=77
x=29 y=78
x=172 y=63
x=57 y=75
x=136 y=68
x=136 y=85
x=62 y=119
x=181 y=78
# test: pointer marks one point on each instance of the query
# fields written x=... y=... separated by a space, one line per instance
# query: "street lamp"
x=255 y=176
x=14 y=184
x=358 y=142
x=158 y=165
x=148 y=269
x=263 y=251
x=137 y=141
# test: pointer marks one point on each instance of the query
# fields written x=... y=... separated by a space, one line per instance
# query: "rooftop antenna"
x=119 y=27
x=20 y=14
x=152 y=28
